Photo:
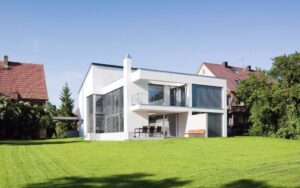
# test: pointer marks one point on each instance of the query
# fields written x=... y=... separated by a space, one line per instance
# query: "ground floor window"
x=90 y=114
x=108 y=116
x=214 y=124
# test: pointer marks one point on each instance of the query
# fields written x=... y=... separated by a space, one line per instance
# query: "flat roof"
x=155 y=70
x=112 y=66
x=146 y=69
x=188 y=74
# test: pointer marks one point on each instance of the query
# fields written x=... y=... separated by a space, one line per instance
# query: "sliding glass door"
x=168 y=123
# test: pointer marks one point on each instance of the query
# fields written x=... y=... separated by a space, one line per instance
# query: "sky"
x=67 y=35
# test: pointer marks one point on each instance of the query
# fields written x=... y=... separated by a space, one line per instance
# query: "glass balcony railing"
x=159 y=100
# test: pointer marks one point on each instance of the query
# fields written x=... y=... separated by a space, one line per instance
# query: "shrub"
x=21 y=119
x=60 y=130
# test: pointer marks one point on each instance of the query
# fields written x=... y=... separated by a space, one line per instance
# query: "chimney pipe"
x=127 y=62
x=225 y=63
x=5 y=61
x=249 y=67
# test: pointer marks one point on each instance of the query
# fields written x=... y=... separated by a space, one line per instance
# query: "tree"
x=273 y=99
x=286 y=69
x=248 y=90
x=66 y=107
x=67 y=104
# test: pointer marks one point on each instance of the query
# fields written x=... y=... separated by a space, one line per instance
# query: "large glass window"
x=156 y=94
x=90 y=114
x=109 y=112
x=99 y=114
x=207 y=96
x=177 y=96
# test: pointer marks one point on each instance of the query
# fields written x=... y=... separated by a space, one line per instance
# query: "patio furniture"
x=151 y=130
x=196 y=132
x=159 y=131
x=137 y=131
x=145 y=130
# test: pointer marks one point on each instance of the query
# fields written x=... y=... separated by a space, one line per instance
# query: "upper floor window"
x=207 y=96
x=156 y=94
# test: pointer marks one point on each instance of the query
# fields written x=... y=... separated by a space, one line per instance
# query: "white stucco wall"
x=103 y=79
x=133 y=119
x=182 y=122
x=145 y=74
x=187 y=121
x=103 y=76
x=95 y=81
x=197 y=121
x=85 y=90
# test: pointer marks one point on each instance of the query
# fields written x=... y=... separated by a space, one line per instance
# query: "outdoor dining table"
x=139 y=130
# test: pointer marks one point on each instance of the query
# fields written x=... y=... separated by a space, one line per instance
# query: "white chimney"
x=5 y=61
x=127 y=63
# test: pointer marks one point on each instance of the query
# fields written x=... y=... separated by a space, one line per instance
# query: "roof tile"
x=231 y=73
x=23 y=80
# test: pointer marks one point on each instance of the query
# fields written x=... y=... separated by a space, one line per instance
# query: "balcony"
x=159 y=100
x=236 y=109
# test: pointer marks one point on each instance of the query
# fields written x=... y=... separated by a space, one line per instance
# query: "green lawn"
x=214 y=162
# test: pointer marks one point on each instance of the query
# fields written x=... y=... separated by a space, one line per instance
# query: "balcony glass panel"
x=162 y=95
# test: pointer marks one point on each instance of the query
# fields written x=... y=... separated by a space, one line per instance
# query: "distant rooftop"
x=22 y=80
x=233 y=74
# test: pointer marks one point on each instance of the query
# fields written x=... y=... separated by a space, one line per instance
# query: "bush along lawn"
x=214 y=162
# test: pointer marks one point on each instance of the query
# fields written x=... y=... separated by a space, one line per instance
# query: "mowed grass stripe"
x=204 y=162
x=48 y=168
x=14 y=167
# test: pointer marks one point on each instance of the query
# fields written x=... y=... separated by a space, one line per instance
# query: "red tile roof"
x=23 y=81
x=232 y=74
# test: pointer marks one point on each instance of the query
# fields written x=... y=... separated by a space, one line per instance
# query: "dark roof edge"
x=188 y=74
x=107 y=65
x=84 y=78
x=112 y=66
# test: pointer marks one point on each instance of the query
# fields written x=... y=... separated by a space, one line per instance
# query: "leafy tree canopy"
x=273 y=97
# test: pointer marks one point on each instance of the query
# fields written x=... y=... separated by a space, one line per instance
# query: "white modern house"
x=120 y=102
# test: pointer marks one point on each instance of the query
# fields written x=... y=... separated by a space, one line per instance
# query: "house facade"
x=115 y=101
x=237 y=115
x=23 y=81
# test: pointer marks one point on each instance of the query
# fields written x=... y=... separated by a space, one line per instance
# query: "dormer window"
x=234 y=71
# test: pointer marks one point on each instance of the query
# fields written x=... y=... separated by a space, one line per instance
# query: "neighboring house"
x=117 y=101
x=23 y=81
x=237 y=115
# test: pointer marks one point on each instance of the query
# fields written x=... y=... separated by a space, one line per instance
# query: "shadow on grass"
x=35 y=142
x=118 y=181
x=247 y=183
